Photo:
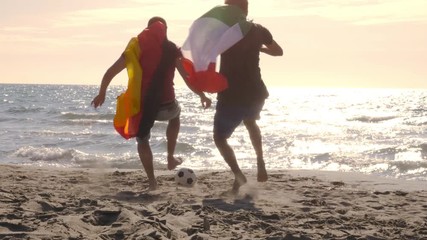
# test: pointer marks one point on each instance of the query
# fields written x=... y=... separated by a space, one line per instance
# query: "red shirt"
x=168 y=89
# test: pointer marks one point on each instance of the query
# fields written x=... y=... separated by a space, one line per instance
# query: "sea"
x=372 y=131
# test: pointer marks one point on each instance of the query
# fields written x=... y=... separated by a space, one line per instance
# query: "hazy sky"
x=327 y=43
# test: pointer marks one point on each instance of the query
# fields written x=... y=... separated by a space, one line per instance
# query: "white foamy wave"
x=74 y=158
x=45 y=154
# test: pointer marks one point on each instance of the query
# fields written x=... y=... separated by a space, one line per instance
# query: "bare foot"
x=173 y=162
x=152 y=185
x=262 y=172
x=239 y=181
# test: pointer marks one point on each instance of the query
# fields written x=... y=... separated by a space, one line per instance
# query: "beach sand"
x=58 y=203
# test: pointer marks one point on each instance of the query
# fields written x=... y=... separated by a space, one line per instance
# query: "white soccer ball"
x=185 y=177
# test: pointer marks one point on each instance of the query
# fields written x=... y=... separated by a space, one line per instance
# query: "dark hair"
x=156 y=19
x=243 y=4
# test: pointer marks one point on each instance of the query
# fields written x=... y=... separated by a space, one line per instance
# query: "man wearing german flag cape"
x=150 y=60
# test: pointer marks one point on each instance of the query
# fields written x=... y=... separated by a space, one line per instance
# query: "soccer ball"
x=185 y=177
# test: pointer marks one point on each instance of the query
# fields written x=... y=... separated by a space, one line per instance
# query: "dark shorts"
x=228 y=118
x=166 y=112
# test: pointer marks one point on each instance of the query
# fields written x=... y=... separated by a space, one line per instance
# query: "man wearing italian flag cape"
x=225 y=31
x=244 y=98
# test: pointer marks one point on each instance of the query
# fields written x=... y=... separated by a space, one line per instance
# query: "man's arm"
x=111 y=72
x=272 y=49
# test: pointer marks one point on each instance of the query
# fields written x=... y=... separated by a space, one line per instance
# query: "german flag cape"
x=211 y=35
x=137 y=107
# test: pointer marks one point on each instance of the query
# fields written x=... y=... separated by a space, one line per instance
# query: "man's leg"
x=146 y=157
x=229 y=157
x=172 y=135
x=256 y=139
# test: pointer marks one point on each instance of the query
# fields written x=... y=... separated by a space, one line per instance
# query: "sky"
x=326 y=43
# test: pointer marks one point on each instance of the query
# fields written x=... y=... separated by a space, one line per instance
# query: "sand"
x=58 y=203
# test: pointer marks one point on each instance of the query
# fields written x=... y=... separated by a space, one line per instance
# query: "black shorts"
x=228 y=118
x=166 y=112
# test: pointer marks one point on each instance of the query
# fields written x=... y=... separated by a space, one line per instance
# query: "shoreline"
x=73 y=203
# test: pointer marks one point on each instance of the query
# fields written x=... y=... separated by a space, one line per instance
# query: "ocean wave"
x=372 y=119
x=22 y=109
x=420 y=109
x=384 y=153
x=405 y=153
x=324 y=157
x=160 y=145
x=416 y=121
x=45 y=154
x=75 y=158
x=409 y=165
x=87 y=121
x=10 y=119
x=95 y=116
x=53 y=133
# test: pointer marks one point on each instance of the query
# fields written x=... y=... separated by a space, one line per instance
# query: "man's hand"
x=111 y=72
x=98 y=100
x=206 y=102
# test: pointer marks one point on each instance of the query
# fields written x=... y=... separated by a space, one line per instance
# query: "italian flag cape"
x=145 y=63
x=209 y=36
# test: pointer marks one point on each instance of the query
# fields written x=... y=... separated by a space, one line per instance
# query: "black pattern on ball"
x=189 y=181
x=181 y=174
